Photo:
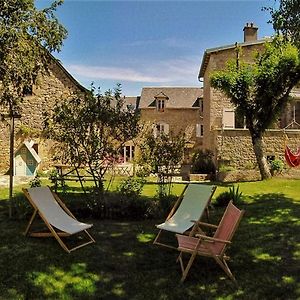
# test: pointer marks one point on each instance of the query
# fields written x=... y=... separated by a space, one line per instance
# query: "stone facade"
x=182 y=112
x=54 y=86
x=233 y=146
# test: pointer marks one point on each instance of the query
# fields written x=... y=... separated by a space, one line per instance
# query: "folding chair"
x=189 y=208
x=215 y=246
x=56 y=216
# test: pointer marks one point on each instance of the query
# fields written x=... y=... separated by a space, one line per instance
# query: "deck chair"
x=189 y=207
x=56 y=216
x=215 y=246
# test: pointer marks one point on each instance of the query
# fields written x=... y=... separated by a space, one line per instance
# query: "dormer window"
x=160 y=104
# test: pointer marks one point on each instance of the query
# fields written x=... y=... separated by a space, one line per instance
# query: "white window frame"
x=160 y=104
x=228 y=118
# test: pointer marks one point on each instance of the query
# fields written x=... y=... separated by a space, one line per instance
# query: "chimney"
x=250 y=32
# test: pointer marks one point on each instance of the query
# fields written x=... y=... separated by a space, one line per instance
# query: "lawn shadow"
x=124 y=264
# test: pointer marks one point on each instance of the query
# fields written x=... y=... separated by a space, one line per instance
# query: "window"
x=201 y=105
x=232 y=119
x=160 y=105
x=228 y=118
x=36 y=147
x=199 y=130
x=160 y=128
x=30 y=162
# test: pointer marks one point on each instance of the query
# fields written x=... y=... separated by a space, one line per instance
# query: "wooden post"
x=11 y=162
x=13 y=115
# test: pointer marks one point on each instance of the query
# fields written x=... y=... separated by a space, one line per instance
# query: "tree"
x=261 y=90
x=91 y=130
x=162 y=154
x=28 y=36
x=286 y=20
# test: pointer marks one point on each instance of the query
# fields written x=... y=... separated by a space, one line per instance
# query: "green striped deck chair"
x=188 y=209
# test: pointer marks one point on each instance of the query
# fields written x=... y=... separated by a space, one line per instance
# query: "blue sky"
x=149 y=43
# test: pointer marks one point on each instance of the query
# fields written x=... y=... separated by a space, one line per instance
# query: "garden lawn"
x=124 y=264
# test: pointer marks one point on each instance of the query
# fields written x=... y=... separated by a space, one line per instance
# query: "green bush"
x=223 y=199
x=131 y=187
x=276 y=166
x=202 y=162
x=36 y=181
x=233 y=194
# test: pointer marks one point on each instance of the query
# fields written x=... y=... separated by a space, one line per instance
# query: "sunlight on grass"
x=296 y=254
x=259 y=255
x=145 y=237
x=129 y=254
x=65 y=283
x=288 y=279
x=118 y=289
x=276 y=216
x=13 y=294
x=116 y=234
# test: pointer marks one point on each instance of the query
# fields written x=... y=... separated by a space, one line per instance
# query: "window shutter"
x=228 y=118
x=154 y=130
x=166 y=128
x=198 y=130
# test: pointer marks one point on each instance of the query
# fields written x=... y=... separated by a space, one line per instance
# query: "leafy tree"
x=91 y=130
x=286 y=20
x=260 y=90
x=162 y=154
x=28 y=36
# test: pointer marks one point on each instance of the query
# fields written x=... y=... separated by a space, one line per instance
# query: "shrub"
x=276 y=166
x=233 y=194
x=36 y=181
x=131 y=187
x=202 y=162
x=21 y=206
x=223 y=199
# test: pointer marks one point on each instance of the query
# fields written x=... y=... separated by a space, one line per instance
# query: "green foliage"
x=260 y=90
x=27 y=37
x=286 y=21
x=131 y=187
x=276 y=166
x=233 y=194
x=91 y=130
x=222 y=199
x=21 y=206
x=36 y=181
x=202 y=162
x=161 y=155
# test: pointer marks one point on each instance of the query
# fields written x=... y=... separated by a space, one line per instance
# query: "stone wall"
x=234 y=146
x=55 y=86
x=179 y=119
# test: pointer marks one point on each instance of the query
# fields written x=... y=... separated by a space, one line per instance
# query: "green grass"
x=124 y=264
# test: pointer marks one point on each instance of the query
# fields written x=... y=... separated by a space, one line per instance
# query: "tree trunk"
x=264 y=169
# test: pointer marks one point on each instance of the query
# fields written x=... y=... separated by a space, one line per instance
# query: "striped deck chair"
x=215 y=246
x=187 y=211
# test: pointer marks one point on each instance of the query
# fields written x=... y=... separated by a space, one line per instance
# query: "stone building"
x=53 y=86
x=224 y=133
x=171 y=109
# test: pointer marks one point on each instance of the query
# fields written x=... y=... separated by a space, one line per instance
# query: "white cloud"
x=169 y=71
x=113 y=73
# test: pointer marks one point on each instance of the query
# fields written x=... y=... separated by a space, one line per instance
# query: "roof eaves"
x=59 y=64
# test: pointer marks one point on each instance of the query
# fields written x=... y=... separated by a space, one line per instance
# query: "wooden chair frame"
x=220 y=258
x=53 y=231
x=194 y=228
